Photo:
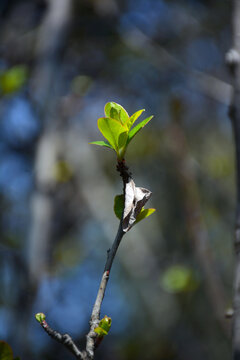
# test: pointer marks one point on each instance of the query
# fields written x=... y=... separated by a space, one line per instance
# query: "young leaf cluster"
x=117 y=128
x=104 y=326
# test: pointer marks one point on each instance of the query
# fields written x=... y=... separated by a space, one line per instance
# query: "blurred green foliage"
x=13 y=79
x=6 y=352
x=178 y=278
x=81 y=84
x=62 y=171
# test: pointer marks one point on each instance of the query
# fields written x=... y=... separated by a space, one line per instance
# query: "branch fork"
x=134 y=199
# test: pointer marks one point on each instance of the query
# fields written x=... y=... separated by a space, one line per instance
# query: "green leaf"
x=40 y=317
x=137 y=128
x=116 y=128
x=117 y=112
x=114 y=132
x=101 y=332
x=104 y=326
x=105 y=323
x=102 y=143
x=16 y=358
x=119 y=206
x=6 y=352
x=135 y=116
x=144 y=214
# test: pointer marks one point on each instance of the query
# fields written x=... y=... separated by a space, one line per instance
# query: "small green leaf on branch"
x=115 y=133
x=137 y=128
x=134 y=117
x=144 y=214
x=101 y=143
x=40 y=317
x=119 y=206
x=104 y=326
x=117 y=112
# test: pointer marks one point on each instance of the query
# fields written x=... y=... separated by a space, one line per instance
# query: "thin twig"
x=233 y=62
x=92 y=337
x=64 y=339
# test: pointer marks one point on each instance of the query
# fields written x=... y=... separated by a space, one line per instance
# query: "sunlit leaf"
x=178 y=278
x=144 y=214
x=105 y=323
x=116 y=128
x=102 y=143
x=100 y=331
x=117 y=112
x=104 y=326
x=135 y=116
x=119 y=206
x=137 y=128
x=6 y=352
x=114 y=132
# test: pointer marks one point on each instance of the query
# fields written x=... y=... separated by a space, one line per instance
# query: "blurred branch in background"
x=46 y=80
x=50 y=42
x=233 y=62
x=45 y=85
x=196 y=229
x=162 y=59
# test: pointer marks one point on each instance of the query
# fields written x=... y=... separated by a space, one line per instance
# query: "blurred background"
x=171 y=282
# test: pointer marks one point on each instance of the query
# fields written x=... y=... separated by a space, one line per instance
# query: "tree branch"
x=95 y=316
x=64 y=339
x=93 y=340
x=92 y=336
x=233 y=62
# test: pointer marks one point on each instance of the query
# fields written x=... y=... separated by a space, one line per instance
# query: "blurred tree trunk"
x=233 y=61
x=44 y=90
x=192 y=214
x=46 y=80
